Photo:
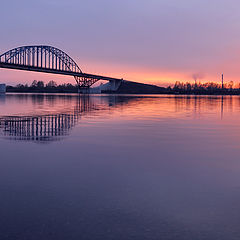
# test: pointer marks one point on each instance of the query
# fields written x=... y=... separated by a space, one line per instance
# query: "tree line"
x=205 y=88
x=178 y=88
x=39 y=86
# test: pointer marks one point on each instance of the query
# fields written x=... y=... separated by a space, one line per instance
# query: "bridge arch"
x=41 y=56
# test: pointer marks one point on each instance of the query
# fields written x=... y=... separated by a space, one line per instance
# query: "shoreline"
x=130 y=93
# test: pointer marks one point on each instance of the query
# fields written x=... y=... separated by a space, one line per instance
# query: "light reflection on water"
x=119 y=167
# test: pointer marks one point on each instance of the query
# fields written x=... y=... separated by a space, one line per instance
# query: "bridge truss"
x=50 y=60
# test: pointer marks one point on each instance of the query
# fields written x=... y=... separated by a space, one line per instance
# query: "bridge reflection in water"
x=40 y=128
x=67 y=111
x=45 y=128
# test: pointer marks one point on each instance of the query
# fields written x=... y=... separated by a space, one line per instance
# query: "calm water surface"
x=119 y=167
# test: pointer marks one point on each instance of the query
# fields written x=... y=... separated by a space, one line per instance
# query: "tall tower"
x=222 y=82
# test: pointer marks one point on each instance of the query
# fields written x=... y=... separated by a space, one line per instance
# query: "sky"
x=150 y=41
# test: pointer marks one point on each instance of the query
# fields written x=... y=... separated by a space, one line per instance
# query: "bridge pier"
x=111 y=86
x=2 y=88
x=82 y=90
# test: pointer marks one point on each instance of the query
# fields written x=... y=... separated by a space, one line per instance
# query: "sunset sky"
x=151 y=41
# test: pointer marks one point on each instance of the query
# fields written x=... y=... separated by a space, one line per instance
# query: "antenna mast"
x=222 y=82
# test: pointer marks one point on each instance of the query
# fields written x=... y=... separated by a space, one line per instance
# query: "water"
x=119 y=167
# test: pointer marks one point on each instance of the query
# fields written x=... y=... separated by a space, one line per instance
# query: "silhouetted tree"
x=40 y=84
x=51 y=84
x=34 y=84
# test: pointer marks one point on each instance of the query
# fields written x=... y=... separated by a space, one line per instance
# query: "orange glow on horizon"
x=132 y=73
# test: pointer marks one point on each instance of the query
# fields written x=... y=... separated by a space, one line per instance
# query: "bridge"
x=49 y=59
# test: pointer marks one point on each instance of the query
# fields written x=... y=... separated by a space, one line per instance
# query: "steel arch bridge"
x=48 y=59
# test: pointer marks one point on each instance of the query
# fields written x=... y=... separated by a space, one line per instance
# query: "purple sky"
x=143 y=40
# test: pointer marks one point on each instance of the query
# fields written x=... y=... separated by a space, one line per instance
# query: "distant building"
x=2 y=88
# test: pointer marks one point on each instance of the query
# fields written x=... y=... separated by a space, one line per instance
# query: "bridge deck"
x=55 y=71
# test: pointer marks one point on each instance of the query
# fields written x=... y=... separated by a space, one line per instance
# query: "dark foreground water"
x=119 y=167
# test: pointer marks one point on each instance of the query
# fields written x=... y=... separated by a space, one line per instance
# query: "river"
x=117 y=167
